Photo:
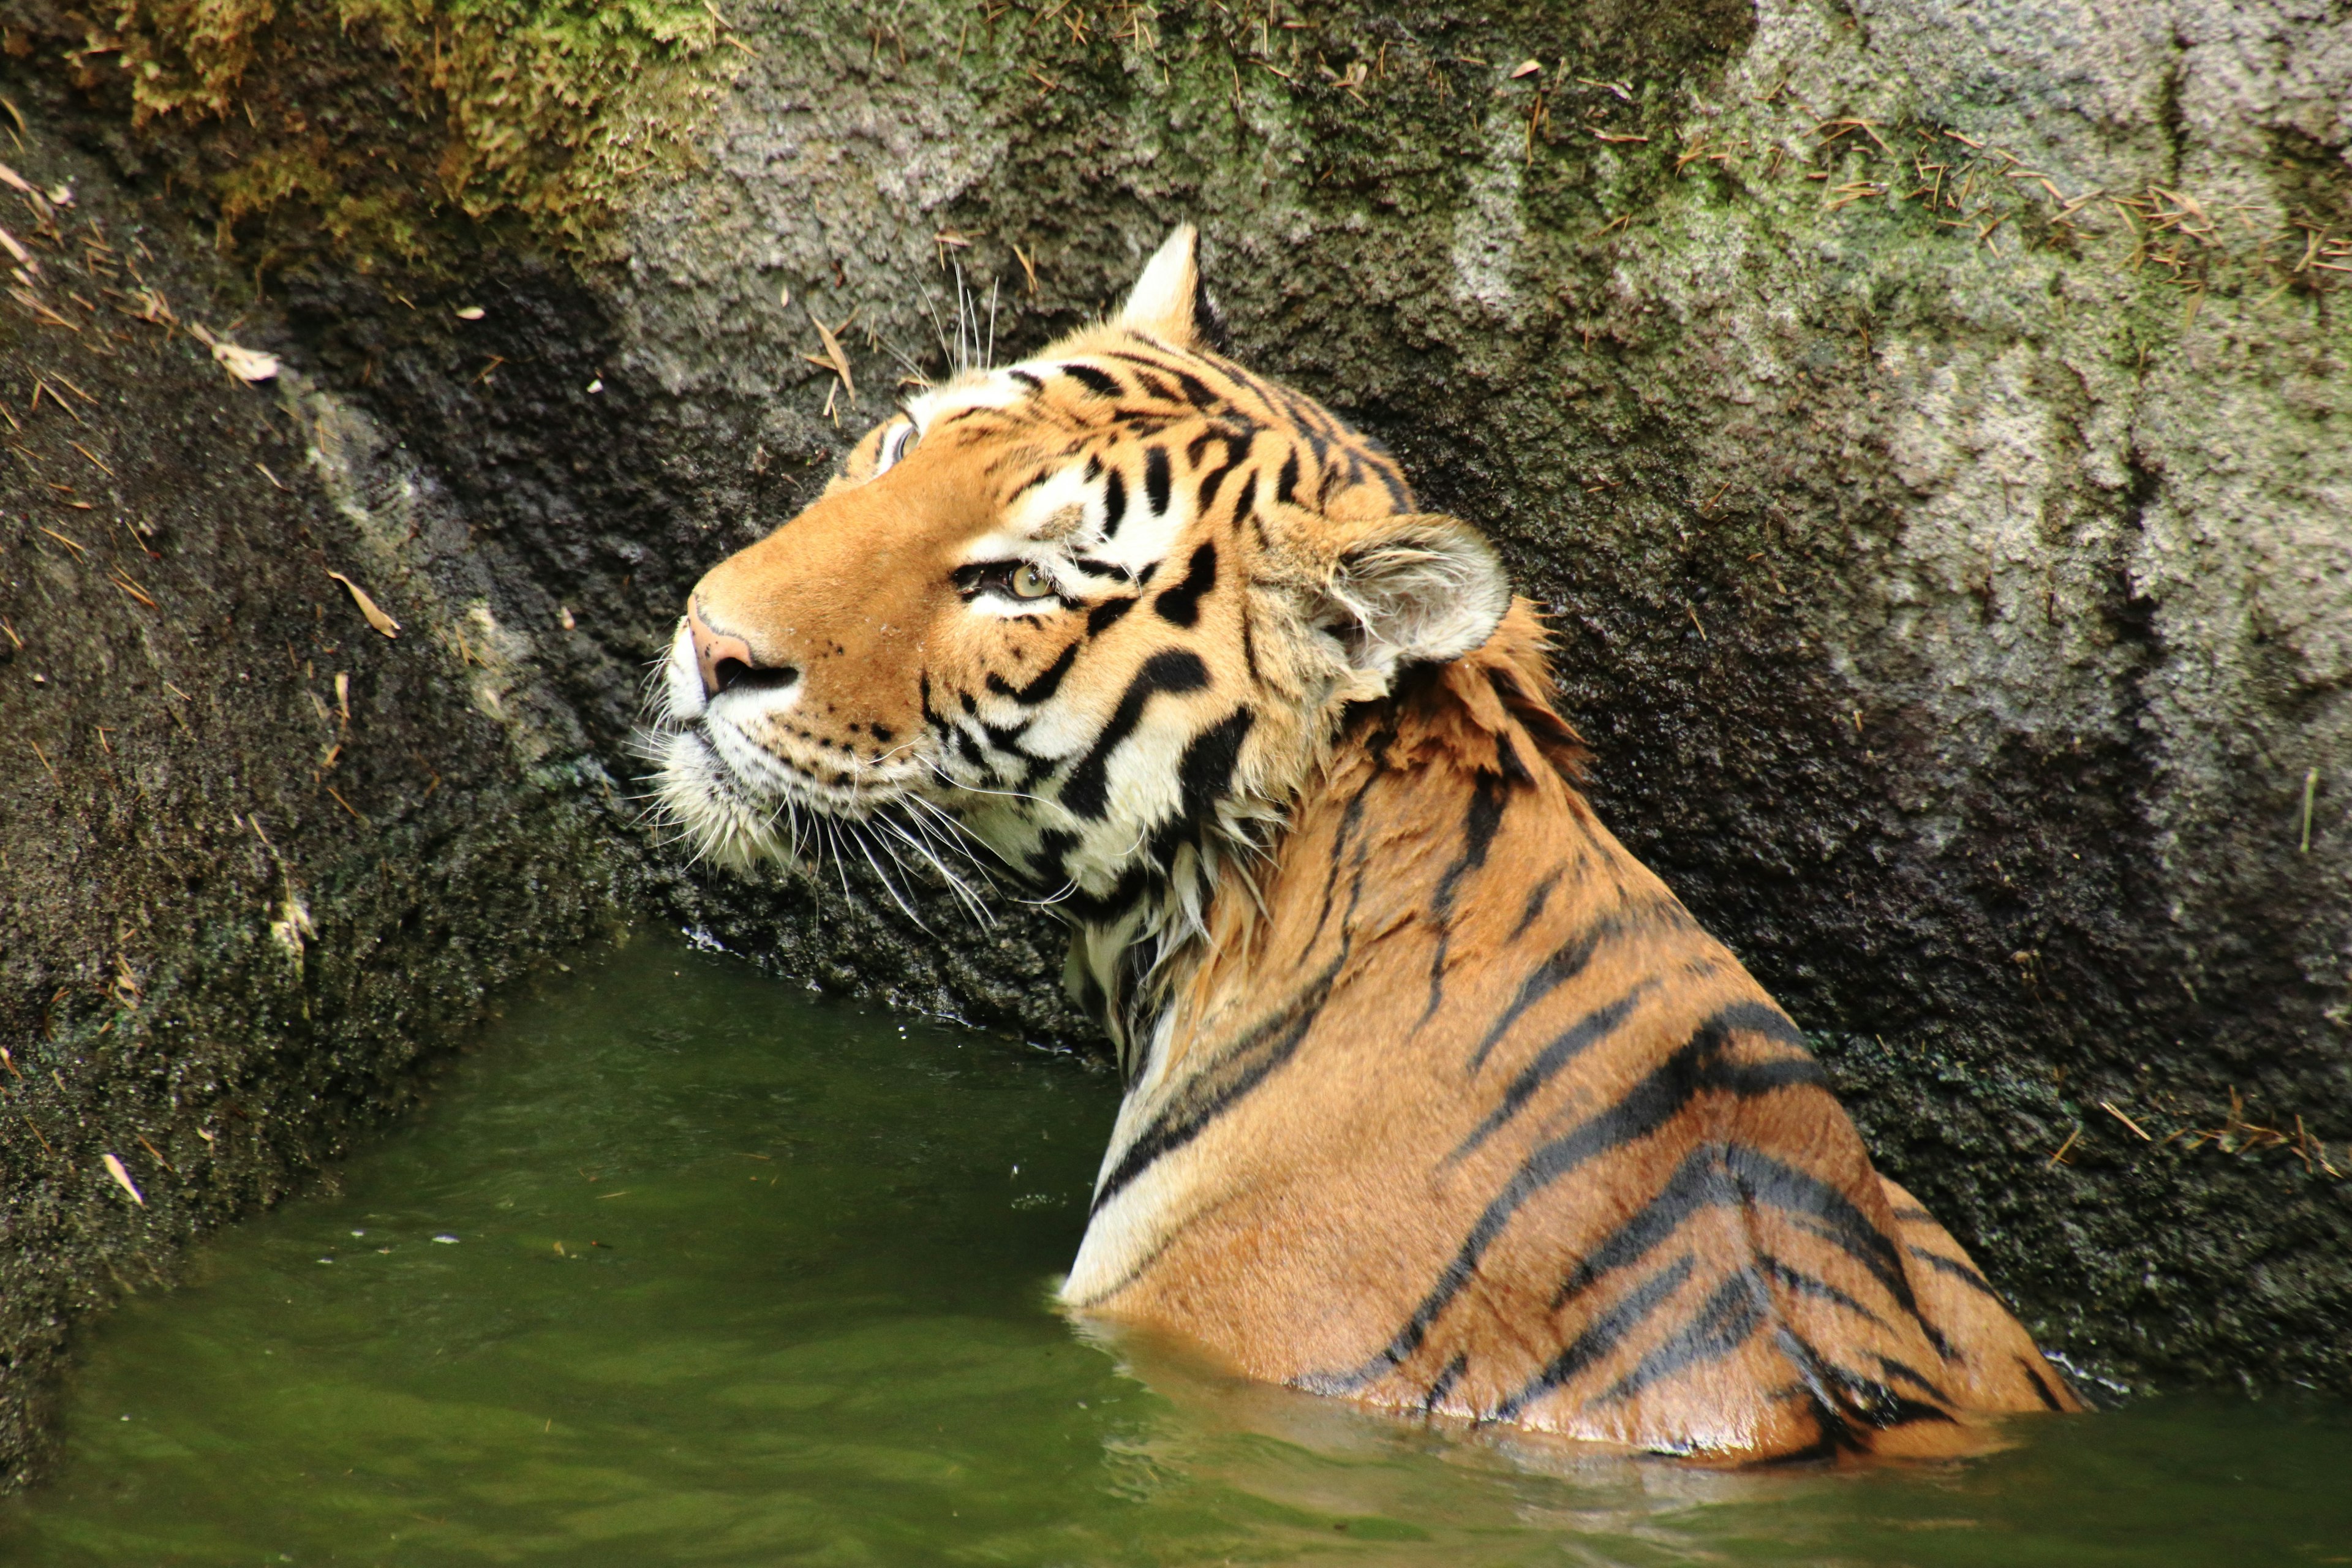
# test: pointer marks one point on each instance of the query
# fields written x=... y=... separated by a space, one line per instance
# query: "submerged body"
x=1473 y=1118
x=1437 y=1098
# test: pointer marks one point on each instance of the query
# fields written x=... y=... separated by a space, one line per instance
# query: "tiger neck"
x=1131 y=953
x=1371 y=942
x=1387 y=839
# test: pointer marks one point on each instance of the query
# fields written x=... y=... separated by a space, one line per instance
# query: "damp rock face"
x=1922 y=422
x=257 y=859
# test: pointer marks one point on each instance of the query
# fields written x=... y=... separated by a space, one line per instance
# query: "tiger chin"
x=1436 y=1098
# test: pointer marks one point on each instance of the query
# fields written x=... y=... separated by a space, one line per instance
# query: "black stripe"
x=1114 y=503
x=1834 y=1217
x=1957 y=1270
x=2041 y=1384
x=1211 y=483
x=1445 y=1382
x=1100 y=383
x=1048 y=680
x=1174 y=671
x=1600 y=1336
x=1155 y=479
x=1180 y=605
x=1351 y=818
x=1240 y=1068
x=1007 y=739
x=1399 y=496
x=1028 y=380
x=1196 y=391
x=1204 y=775
x=1700 y=1181
x=1698 y=1066
x=1507 y=757
x=1286 y=484
x=1725 y=1322
x=1842 y=1397
x=1900 y=1371
x=1046 y=865
x=1537 y=897
x=1107 y=612
x=1569 y=1044
x=1109 y=909
x=1479 y=824
x=1246 y=499
x=1567 y=961
x=1799 y=1282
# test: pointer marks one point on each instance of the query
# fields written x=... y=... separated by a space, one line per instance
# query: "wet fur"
x=1438 y=1099
x=1475 y=1119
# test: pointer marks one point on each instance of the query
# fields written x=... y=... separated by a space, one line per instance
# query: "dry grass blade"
x=122 y=1178
x=2110 y=1108
x=22 y=257
x=839 y=361
x=368 y=607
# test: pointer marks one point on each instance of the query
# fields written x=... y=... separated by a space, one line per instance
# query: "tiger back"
x=1437 y=1098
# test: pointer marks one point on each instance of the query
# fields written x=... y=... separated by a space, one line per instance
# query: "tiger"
x=1434 y=1096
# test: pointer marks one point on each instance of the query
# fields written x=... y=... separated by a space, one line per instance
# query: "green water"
x=735 y=1277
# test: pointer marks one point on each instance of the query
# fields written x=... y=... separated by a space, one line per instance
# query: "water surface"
x=684 y=1267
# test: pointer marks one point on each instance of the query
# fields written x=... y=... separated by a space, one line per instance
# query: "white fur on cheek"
x=699 y=798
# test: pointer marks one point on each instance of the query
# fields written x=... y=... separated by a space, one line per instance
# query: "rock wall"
x=1921 y=420
x=258 y=860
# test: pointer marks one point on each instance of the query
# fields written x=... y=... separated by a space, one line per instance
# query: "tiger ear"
x=1413 y=589
x=1168 y=302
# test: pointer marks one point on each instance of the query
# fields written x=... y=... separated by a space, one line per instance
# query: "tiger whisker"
x=931 y=846
x=865 y=851
x=974 y=907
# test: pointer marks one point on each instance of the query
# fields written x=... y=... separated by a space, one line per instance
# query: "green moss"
x=545 y=105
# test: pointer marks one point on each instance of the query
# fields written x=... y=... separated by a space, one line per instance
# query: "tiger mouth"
x=741 y=799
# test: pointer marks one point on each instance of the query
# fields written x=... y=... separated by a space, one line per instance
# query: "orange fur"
x=1438 y=1099
x=1310 y=1235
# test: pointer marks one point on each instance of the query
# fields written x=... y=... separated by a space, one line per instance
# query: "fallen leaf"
x=24 y=258
x=368 y=607
x=470 y=314
x=1526 y=68
x=245 y=364
x=14 y=180
x=832 y=352
x=123 y=1179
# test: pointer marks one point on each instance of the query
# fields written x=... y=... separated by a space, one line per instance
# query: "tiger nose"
x=726 y=661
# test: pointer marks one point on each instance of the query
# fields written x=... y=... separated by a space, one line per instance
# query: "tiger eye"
x=1028 y=582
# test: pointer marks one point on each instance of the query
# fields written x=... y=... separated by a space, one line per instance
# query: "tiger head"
x=1101 y=610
